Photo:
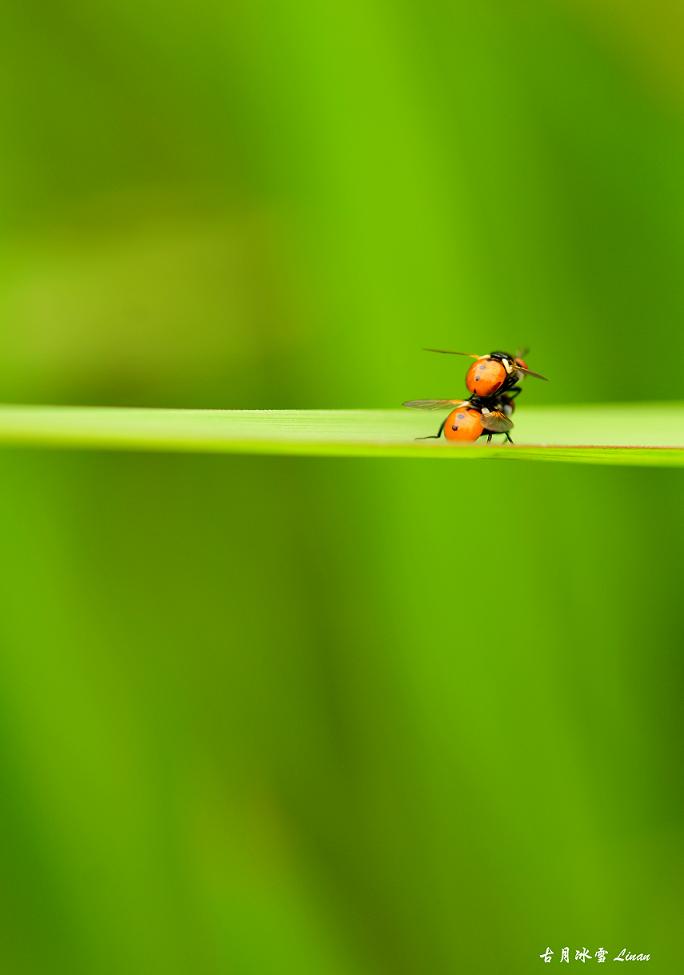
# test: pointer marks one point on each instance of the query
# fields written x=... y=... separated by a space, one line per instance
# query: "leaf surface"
x=636 y=433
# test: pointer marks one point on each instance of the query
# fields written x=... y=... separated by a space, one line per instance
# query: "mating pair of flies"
x=493 y=381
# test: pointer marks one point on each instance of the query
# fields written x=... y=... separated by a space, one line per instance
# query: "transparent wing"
x=468 y=355
x=496 y=422
x=434 y=404
x=528 y=372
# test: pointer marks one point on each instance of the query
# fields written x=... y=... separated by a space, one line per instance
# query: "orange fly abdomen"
x=486 y=376
x=463 y=425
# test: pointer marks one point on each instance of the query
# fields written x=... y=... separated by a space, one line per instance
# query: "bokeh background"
x=269 y=715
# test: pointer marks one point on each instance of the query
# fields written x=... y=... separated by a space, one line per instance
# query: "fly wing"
x=496 y=422
x=468 y=355
x=528 y=372
x=434 y=404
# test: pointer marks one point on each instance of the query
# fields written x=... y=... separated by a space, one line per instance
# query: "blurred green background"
x=332 y=716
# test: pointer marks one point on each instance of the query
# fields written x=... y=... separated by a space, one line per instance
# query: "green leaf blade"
x=628 y=434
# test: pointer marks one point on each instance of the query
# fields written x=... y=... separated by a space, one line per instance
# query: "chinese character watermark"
x=601 y=955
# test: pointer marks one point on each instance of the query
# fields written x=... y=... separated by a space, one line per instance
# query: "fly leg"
x=434 y=436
